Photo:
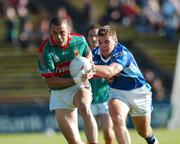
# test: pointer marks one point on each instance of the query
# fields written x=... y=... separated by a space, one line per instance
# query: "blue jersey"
x=130 y=77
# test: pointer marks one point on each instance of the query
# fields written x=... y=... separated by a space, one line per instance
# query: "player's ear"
x=69 y=29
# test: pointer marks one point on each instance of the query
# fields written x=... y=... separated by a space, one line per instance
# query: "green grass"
x=165 y=137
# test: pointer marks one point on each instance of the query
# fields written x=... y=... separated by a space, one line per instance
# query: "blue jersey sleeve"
x=122 y=58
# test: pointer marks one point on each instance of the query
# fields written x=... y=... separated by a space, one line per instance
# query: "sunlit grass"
x=165 y=136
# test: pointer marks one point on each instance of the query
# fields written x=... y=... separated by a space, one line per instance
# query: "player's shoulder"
x=96 y=51
x=77 y=36
x=78 y=39
x=43 y=45
x=121 y=47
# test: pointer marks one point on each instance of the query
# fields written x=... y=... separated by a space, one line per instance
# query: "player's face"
x=92 y=38
x=106 y=45
x=60 y=33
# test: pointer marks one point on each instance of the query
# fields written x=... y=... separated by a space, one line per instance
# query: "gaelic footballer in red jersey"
x=67 y=94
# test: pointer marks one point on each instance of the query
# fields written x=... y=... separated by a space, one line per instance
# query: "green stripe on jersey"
x=100 y=90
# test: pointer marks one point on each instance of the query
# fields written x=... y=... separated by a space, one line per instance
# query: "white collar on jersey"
x=104 y=60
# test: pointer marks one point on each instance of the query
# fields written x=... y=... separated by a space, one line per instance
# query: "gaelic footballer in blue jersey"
x=129 y=91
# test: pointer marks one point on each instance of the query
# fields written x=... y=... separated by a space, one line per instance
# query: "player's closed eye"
x=56 y=34
x=92 y=35
x=62 y=33
x=99 y=42
x=107 y=42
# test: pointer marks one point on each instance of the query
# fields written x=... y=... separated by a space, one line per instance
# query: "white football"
x=79 y=64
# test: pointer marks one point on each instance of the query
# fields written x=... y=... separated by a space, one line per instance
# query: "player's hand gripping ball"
x=80 y=64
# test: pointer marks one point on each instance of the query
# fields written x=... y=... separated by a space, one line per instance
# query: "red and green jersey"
x=100 y=90
x=54 y=60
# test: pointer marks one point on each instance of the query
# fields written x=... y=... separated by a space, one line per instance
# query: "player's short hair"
x=58 y=21
x=107 y=31
x=91 y=27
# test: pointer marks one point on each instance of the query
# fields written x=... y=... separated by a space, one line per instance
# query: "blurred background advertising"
x=149 y=28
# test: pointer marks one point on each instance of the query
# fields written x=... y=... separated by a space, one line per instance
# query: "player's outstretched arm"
x=107 y=71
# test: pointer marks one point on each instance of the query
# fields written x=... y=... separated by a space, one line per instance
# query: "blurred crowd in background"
x=161 y=16
x=26 y=23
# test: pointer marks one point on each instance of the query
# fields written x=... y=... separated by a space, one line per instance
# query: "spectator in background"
x=159 y=90
x=84 y=18
x=141 y=3
x=159 y=93
x=23 y=13
x=100 y=91
x=12 y=26
x=151 y=17
x=44 y=28
x=112 y=13
x=171 y=19
x=1 y=9
x=27 y=37
x=149 y=75
x=67 y=93
x=41 y=26
x=129 y=11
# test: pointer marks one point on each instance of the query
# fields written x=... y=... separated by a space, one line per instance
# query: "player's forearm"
x=107 y=71
x=103 y=71
x=56 y=82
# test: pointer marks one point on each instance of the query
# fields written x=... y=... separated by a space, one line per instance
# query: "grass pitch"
x=165 y=136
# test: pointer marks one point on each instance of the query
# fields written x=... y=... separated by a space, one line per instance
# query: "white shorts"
x=63 y=99
x=100 y=108
x=139 y=100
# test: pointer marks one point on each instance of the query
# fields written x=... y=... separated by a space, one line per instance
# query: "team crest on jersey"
x=56 y=58
x=118 y=54
x=76 y=53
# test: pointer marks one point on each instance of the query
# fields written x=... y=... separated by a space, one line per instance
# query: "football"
x=79 y=64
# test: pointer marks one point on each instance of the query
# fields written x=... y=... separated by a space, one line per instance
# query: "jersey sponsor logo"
x=62 y=68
